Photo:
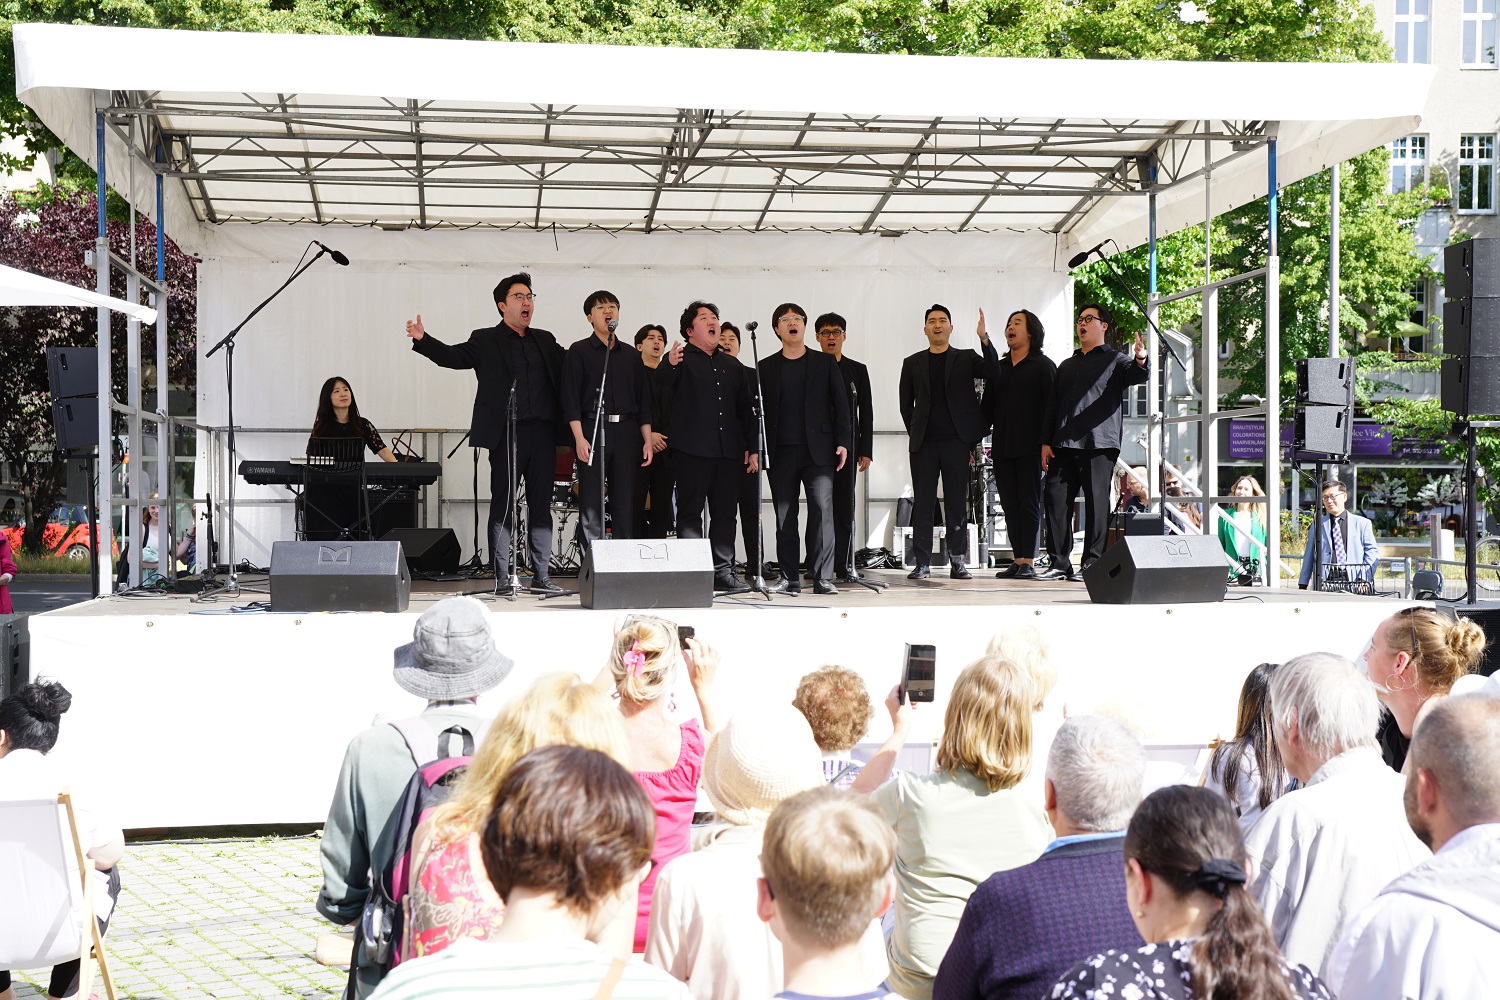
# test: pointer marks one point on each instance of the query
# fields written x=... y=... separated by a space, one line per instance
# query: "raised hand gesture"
x=414 y=328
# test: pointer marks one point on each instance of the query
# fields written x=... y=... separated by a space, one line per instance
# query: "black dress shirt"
x=626 y=393
x=939 y=419
x=535 y=398
x=852 y=373
x=793 y=401
x=710 y=405
x=488 y=353
x=1022 y=396
x=659 y=388
x=1088 y=409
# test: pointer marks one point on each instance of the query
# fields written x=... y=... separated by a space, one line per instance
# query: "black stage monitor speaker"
x=647 y=573
x=76 y=421
x=1471 y=386
x=339 y=576
x=1327 y=430
x=1471 y=326
x=1172 y=569
x=1326 y=381
x=73 y=371
x=1471 y=269
x=432 y=551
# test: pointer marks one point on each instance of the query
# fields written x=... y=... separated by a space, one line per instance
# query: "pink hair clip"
x=635 y=660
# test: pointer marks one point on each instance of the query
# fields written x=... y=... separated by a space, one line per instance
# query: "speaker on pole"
x=1164 y=569
x=73 y=382
x=1470 y=383
x=647 y=573
x=1323 y=416
x=339 y=576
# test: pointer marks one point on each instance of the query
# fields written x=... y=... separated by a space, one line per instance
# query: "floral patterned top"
x=1159 y=971
x=447 y=903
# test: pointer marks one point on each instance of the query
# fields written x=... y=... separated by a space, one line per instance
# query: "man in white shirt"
x=1321 y=853
x=1434 y=932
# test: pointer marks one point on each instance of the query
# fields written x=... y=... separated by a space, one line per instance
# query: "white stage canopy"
x=22 y=288
x=401 y=132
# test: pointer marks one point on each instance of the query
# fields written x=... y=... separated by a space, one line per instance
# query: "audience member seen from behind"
x=1028 y=648
x=1247 y=770
x=450 y=661
x=826 y=877
x=451 y=898
x=566 y=846
x=29 y=722
x=1185 y=885
x=666 y=756
x=1025 y=927
x=1326 y=850
x=704 y=928
x=958 y=826
x=1435 y=931
x=837 y=706
x=1414 y=655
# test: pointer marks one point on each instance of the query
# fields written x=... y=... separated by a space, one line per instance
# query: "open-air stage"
x=195 y=714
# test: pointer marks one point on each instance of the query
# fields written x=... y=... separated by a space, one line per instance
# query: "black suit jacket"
x=483 y=353
x=851 y=371
x=825 y=419
x=963 y=367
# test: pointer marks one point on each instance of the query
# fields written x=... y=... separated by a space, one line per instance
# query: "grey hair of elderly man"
x=1095 y=770
x=1321 y=706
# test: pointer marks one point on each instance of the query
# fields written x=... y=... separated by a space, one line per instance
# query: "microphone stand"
x=227 y=342
x=855 y=576
x=763 y=457
x=512 y=588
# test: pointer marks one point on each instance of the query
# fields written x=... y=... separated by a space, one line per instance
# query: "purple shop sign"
x=1247 y=442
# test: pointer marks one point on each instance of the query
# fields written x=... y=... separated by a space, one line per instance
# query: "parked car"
x=66 y=534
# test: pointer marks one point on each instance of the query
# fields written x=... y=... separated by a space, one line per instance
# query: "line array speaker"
x=1471 y=269
x=1325 y=381
x=73 y=381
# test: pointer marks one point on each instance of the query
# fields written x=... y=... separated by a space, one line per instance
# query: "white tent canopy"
x=22 y=288
x=422 y=133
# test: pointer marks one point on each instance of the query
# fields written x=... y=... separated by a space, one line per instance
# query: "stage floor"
x=203 y=714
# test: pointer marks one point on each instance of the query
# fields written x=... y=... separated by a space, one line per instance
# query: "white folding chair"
x=48 y=887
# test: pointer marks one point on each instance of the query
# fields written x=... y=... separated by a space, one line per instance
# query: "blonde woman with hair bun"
x=1417 y=654
x=665 y=755
x=450 y=897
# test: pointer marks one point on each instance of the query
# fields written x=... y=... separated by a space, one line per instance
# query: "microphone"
x=611 y=323
x=338 y=258
x=1077 y=258
x=751 y=326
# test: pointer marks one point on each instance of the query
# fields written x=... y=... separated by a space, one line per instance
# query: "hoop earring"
x=1391 y=687
x=671 y=703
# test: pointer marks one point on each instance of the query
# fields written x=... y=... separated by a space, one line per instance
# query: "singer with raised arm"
x=943 y=423
x=713 y=437
x=517 y=411
x=1023 y=398
x=832 y=330
x=607 y=405
x=807 y=425
x=1084 y=428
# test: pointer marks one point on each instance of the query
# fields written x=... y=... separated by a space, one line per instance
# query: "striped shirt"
x=557 y=969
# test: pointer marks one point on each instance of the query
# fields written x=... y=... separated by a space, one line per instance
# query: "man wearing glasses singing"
x=1084 y=442
x=512 y=355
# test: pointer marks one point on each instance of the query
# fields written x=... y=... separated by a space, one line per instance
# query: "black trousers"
x=654 y=483
x=844 y=482
x=1019 y=483
x=1093 y=471
x=536 y=463
x=717 y=482
x=749 y=509
x=950 y=459
x=792 y=472
x=621 y=461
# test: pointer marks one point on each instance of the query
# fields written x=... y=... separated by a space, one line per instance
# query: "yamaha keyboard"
x=287 y=473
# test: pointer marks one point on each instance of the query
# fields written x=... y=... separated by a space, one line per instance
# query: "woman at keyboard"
x=338 y=418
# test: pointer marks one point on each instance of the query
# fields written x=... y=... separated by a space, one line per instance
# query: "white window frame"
x=1476 y=163
x=1402 y=159
x=1478 y=15
x=1413 y=18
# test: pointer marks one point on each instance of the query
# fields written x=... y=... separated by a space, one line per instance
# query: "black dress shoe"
x=824 y=587
x=786 y=588
x=1054 y=573
x=542 y=585
x=1026 y=572
x=1010 y=572
x=958 y=571
x=920 y=573
x=730 y=585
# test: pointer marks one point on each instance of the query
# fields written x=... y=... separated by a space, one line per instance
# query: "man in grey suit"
x=1346 y=547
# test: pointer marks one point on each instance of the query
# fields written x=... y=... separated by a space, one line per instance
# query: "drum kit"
x=567 y=548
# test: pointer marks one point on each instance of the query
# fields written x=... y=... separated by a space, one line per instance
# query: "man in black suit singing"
x=832 y=329
x=807 y=423
x=943 y=422
x=512 y=356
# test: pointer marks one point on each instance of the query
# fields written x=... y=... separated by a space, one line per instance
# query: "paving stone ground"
x=214 y=919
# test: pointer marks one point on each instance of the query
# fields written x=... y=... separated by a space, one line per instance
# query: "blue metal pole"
x=1273 y=200
x=1151 y=222
x=161 y=238
x=99 y=139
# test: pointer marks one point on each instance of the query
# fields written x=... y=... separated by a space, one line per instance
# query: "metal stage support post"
x=1273 y=375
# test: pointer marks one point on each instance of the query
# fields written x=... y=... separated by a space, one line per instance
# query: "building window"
x=1476 y=173
x=1418 y=292
x=1479 y=34
x=1408 y=162
x=1411 y=30
x=1136 y=401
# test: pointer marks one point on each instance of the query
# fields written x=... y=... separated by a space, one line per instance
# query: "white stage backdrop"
x=349 y=321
